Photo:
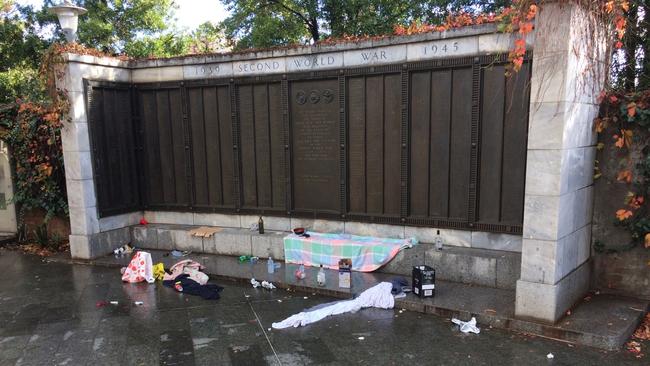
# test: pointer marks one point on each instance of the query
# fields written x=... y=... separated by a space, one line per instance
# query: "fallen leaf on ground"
x=643 y=331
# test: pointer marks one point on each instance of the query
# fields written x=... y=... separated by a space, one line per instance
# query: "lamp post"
x=68 y=15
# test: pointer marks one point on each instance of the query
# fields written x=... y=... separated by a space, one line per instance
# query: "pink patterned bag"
x=139 y=269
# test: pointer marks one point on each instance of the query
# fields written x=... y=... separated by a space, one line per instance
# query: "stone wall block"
x=541 y=217
x=81 y=193
x=544 y=172
x=546 y=124
x=323 y=226
x=462 y=268
x=539 y=261
x=83 y=220
x=270 y=244
x=184 y=241
x=78 y=165
x=270 y=222
x=74 y=137
x=169 y=217
x=215 y=219
x=144 y=237
x=157 y=74
x=77 y=111
x=457 y=238
x=496 y=241
x=229 y=242
x=578 y=129
x=379 y=230
x=119 y=221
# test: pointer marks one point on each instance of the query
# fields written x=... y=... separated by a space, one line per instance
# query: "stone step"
x=602 y=321
x=483 y=267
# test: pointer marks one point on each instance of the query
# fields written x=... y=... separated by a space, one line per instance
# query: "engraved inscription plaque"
x=315 y=141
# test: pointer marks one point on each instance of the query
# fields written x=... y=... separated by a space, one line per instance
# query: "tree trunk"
x=313 y=29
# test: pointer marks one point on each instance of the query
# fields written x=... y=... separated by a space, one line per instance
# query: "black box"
x=424 y=281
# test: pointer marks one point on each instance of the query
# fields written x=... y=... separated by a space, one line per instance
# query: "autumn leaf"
x=627 y=135
x=647 y=242
x=600 y=125
x=532 y=11
x=625 y=5
x=525 y=28
x=624 y=175
x=620 y=142
x=623 y=214
x=631 y=109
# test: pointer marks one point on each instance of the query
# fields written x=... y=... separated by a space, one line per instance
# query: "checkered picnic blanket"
x=367 y=253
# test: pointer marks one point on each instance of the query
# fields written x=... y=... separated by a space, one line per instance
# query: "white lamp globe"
x=68 y=15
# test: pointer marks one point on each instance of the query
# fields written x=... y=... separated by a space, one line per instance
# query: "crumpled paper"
x=467 y=327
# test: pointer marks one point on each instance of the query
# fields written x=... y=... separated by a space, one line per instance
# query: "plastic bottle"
x=270 y=267
x=438 y=241
x=300 y=272
x=320 y=278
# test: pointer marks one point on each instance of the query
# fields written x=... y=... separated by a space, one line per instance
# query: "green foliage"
x=165 y=45
x=264 y=23
x=207 y=37
x=253 y=24
x=112 y=25
x=19 y=43
x=33 y=132
x=20 y=82
x=43 y=238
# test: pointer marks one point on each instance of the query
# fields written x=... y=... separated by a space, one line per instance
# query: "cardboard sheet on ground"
x=367 y=253
x=204 y=231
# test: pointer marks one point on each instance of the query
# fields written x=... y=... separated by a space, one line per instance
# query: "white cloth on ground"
x=467 y=327
x=378 y=296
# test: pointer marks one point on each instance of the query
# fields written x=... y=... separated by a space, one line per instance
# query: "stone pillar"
x=85 y=225
x=568 y=72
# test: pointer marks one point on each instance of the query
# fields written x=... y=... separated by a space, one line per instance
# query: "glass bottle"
x=320 y=278
x=438 y=241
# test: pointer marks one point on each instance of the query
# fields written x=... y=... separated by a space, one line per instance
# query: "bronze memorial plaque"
x=315 y=145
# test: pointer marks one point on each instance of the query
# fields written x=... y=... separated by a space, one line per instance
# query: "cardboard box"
x=424 y=281
x=345 y=273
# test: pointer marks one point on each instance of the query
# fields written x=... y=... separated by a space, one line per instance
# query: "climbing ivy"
x=624 y=121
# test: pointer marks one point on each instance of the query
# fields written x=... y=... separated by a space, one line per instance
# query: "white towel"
x=378 y=296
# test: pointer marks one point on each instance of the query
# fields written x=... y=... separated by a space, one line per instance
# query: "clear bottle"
x=320 y=278
x=270 y=267
x=438 y=241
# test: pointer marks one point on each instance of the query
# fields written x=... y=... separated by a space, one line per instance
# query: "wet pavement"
x=49 y=315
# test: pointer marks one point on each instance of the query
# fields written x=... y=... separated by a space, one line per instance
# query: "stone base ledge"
x=451 y=237
x=482 y=267
x=98 y=245
x=548 y=303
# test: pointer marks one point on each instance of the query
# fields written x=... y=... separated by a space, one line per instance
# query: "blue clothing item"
x=186 y=285
x=398 y=284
